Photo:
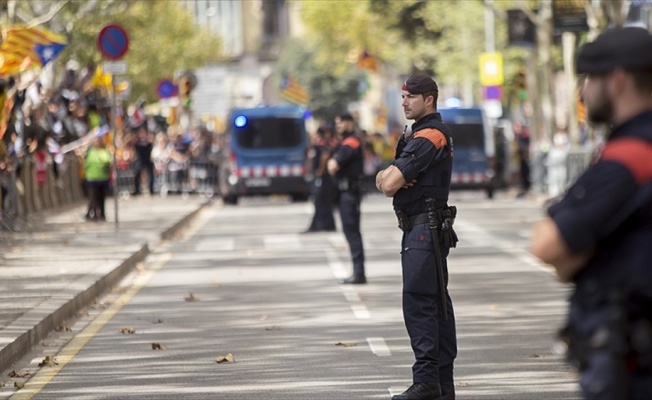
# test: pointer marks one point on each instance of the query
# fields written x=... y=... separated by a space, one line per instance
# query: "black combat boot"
x=447 y=391
x=421 y=391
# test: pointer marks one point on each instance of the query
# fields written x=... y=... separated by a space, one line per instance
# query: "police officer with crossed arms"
x=599 y=234
x=419 y=182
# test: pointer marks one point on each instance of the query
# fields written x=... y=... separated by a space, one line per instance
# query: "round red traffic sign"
x=113 y=42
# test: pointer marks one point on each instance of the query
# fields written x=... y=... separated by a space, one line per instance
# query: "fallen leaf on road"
x=534 y=356
x=461 y=384
x=343 y=344
x=127 y=330
x=63 y=328
x=23 y=373
x=158 y=346
x=272 y=328
x=493 y=307
x=2 y=384
x=263 y=317
x=19 y=384
x=191 y=297
x=48 y=361
x=225 y=359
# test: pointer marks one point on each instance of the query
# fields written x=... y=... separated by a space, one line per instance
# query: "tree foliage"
x=331 y=89
x=163 y=39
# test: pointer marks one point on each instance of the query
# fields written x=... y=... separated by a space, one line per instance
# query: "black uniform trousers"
x=349 y=206
x=433 y=340
x=139 y=166
x=323 y=219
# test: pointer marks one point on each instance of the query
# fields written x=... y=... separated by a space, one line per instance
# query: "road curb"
x=45 y=318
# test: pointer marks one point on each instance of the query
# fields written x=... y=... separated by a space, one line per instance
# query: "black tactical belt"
x=406 y=223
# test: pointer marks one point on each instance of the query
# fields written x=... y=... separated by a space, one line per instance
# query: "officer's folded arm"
x=390 y=180
x=548 y=245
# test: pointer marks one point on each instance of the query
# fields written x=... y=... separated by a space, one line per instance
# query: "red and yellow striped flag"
x=28 y=47
x=292 y=91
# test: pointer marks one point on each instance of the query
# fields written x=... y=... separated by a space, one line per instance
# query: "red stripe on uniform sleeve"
x=634 y=154
x=351 y=142
x=435 y=136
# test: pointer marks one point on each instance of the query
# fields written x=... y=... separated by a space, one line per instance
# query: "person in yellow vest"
x=97 y=165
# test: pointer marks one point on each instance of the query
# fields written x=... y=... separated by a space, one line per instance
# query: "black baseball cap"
x=629 y=48
x=420 y=84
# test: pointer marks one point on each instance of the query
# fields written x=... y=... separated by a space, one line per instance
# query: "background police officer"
x=323 y=219
x=346 y=165
x=598 y=235
x=422 y=171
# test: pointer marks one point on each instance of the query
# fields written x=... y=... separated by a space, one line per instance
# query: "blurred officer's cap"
x=420 y=84
x=629 y=48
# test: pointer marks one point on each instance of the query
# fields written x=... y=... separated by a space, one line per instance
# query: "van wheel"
x=300 y=197
x=230 y=199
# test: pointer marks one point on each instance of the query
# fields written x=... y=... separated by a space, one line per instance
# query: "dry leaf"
x=48 y=361
x=191 y=297
x=272 y=328
x=225 y=359
x=343 y=344
x=534 y=356
x=127 y=330
x=63 y=328
x=263 y=317
x=2 y=384
x=23 y=373
x=19 y=383
x=156 y=321
x=158 y=346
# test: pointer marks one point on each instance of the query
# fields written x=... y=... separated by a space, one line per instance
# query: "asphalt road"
x=243 y=286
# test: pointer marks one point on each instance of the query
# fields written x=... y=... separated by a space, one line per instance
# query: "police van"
x=473 y=146
x=267 y=153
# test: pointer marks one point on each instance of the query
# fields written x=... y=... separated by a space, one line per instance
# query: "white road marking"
x=224 y=244
x=379 y=347
x=282 y=242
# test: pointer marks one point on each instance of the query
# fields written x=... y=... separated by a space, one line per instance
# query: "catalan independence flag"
x=25 y=48
x=292 y=91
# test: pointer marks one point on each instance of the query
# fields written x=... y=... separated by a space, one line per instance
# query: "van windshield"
x=270 y=133
x=467 y=135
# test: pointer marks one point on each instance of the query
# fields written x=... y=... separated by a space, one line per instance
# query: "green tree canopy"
x=163 y=38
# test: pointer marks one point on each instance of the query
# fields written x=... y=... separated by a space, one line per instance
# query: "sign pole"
x=113 y=43
x=114 y=110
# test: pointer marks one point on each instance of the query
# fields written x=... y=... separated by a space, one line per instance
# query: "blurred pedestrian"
x=323 y=219
x=419 y=182
x=143 y=162
x=523 y=153
x=346 y=166
x=97 y=166
x=598 y=235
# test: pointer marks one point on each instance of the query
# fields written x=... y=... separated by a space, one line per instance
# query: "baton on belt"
x=433 y=224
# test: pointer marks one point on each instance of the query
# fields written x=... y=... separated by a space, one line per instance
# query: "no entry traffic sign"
x=113 y=42
x=166 y=89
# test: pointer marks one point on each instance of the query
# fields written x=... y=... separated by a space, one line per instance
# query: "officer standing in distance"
x=346 y=165
x=419 y=182
x=323 y=219
x=599 y=235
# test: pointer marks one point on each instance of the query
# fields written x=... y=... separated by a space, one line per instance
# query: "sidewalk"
x=62 y=263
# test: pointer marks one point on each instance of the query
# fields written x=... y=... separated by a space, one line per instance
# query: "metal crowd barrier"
x=31 y=187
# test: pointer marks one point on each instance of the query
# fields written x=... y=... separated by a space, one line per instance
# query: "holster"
x=403 y=221
x=443 y=219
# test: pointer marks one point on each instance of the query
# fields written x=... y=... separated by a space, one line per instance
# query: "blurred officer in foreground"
x=323 y=219
x=346 y=165
x=419 y=181
x=599 y=235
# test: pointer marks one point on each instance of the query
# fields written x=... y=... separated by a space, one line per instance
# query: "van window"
x=467 y=135
x=270 y=133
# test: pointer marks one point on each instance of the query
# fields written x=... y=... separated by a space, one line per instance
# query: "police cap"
x=629 y=48
x=420 y=84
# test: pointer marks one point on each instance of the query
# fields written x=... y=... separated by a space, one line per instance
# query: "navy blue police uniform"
x=427 y=156
x=608 y=211
x=323 y=219
x=348 y=179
